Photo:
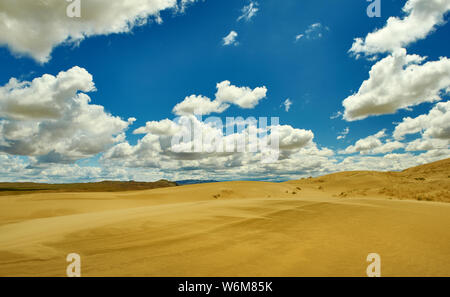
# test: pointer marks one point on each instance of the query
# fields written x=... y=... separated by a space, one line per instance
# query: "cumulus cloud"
x=208 y=147
x=249 y=11
x=11 y=167
x=435 y=124
x=434 y=129
x=20 y=169
x=422 y=17
x=164 y=128
x=175 y=143
x=388 y=162
x=50 y=118
x=230 y=39
x=365 y=145
x=34 y=28
x=199 y=105
x=159 y=150
x=307 y=161
x=243 y=97
x=226 y=94
x=291 y=138
x=373 y=144
x=388 y=147
x=427 y=144
x=146 y=153
x=398 y=81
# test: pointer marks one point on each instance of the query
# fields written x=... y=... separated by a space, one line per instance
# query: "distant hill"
x=194 y=182
x=104 y=186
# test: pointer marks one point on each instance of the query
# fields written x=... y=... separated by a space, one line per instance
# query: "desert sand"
x=312 y=227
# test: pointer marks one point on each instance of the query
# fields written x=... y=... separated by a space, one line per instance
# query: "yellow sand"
x=224 y=229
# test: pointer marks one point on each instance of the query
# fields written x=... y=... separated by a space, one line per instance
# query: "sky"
x=99 y=96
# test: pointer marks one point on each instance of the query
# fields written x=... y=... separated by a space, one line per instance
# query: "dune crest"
x=429 y=182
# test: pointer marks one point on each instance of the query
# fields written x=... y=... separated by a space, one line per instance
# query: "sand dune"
x=430 y=182
x=298 y=228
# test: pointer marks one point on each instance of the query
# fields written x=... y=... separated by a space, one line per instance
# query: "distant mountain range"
x=194 y=181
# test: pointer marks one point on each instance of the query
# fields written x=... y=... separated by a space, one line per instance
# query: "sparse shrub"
x=343 y=194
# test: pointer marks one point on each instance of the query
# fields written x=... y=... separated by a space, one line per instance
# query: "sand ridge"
x=430 y=182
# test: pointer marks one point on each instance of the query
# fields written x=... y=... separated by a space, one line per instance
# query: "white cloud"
x=19 y=169
x=314 y=31
x=388 y=162
x=230 y=39
x=156 y=150
x=422 y=17
x=388 y=147
x=226 y=94
x=51 y=119
x=336 y=115
x=146 y=153
x=433 y=155
x=165 y=127
x=363 y=145
x=11 y=167
x=299 y=36
x=427 y=144
x=435 y=124
x=244 y=97
x=303 y=162
x=373 y=145
x=398 y=81
x=366 y=145
x=434 y=129
x=199 y=105
x=287 y=104
x=343 y=134
x=34 y=28
x=291 y=138
x=249 y=11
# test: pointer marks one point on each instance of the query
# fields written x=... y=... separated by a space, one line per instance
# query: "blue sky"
x=145 y=72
